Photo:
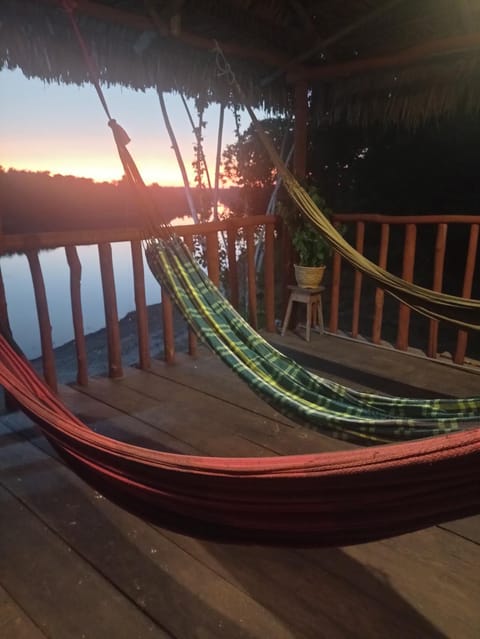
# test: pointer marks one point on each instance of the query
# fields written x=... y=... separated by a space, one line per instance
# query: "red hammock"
x=319 y=499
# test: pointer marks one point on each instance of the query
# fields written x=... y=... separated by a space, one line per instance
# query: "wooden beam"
x=324 y=43
x=305 y=18
x=144 y=22
x=349 y=218
x=19 y=242
x=413 y=55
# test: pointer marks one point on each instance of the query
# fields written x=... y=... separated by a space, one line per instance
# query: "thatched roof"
x=399 y=60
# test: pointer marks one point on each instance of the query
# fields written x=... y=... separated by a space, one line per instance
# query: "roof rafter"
x=323 y=43
x=419 y=53
x=142 y=23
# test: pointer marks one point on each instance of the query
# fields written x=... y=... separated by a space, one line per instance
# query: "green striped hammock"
x=291 y=389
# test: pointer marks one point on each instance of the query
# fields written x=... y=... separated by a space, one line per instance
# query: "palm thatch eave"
x=168 y=45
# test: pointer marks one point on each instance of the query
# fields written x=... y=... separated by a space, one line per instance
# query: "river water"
x=21 y=301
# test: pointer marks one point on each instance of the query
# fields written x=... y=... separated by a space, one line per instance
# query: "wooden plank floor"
x=72 y=564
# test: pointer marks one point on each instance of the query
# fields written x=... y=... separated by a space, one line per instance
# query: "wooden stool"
x=312 y=297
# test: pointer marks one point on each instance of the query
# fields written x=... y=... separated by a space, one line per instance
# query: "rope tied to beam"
x=459 y=311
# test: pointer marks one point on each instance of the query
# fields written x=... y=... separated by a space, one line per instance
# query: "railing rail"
x=413 y=248
x=31 y=244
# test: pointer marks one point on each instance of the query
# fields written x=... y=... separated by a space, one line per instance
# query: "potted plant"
x=312 y=250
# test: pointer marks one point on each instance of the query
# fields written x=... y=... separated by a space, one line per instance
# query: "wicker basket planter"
x=309 y=276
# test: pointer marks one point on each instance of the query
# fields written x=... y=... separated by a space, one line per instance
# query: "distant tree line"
x=33 y=202
x=431 y=168
x=394 y=170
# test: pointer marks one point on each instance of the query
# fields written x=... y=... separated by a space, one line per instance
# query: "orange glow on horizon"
x=164 y=175
x=59 y=129
x=109 y=171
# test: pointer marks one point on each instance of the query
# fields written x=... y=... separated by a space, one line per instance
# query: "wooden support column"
x=299 y=170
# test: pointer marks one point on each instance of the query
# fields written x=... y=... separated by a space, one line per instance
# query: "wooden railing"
x=209 y=234
x=435 y=251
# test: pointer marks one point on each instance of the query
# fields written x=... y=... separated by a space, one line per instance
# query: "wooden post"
x=168 y=331
x=440 y=247
x=287 y=257
x=335 y=289
x=470 y=265
x=77 y=314
x=300 y=171
x=48 y=358
x=192 y=338
x=357 y=288
x=251 y=276
x=140 y=305
x=212 y=258
x=269 y=278
x=111 y=312
x=407 y=275
x=232 y=264
x=379 y=292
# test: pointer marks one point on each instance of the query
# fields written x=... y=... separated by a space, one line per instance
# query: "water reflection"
x=21 y=300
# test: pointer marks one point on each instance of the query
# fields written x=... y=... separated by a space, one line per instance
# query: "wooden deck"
x=74 y=565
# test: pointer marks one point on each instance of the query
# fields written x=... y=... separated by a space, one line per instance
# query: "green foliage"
x=246 y=162
x=248 y=165
x=309 y=244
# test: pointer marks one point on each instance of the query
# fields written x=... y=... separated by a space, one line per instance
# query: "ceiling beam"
x=144 y=22
x=324 y=43
x=420 y=53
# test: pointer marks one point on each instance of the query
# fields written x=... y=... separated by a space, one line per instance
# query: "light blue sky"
x=63 y=129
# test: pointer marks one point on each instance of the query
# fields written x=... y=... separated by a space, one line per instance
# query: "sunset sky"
x=63 y=129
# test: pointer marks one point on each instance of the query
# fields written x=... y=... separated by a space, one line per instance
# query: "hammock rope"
x=287 y=386
x=321 y=499
x=459 y=311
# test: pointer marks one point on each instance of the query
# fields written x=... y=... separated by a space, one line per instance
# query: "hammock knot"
x=119 y=133
x=223 y=66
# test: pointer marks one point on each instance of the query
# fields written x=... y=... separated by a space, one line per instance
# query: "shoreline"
x=97 y=350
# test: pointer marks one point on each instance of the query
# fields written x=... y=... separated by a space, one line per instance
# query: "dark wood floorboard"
x=73 y=564
x=14 y=623
x=144 y=570
x=48 y=578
